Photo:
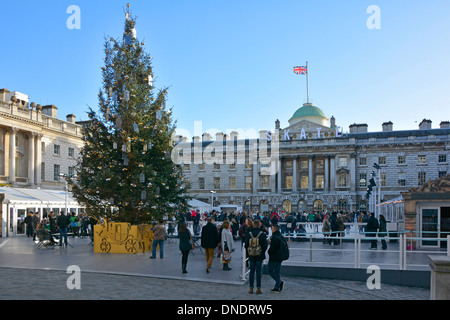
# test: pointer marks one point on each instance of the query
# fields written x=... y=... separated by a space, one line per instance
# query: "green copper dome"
x=309 y=112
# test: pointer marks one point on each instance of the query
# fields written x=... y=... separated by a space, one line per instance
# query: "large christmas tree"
x=125 y=172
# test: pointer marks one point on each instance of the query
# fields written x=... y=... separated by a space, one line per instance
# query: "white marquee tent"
x=19 y=201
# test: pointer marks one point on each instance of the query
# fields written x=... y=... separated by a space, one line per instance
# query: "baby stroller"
x=45 y=239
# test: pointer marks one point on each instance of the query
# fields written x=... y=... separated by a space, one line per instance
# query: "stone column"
x=38 y=158
x=12 y=155
x=31 y=158
x=255 y=178
x=352 y=172
x=279 y=175
x=310 y=173
x=332 y=173
x=294 y=175
x=326 y=175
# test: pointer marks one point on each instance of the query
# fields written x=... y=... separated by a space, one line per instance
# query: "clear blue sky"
x=229 y=63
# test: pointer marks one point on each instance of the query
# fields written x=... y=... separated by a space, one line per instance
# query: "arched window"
x=302 y=206
x=287 y=206
x=318 y=205
x=342 y=205
x=264 y=206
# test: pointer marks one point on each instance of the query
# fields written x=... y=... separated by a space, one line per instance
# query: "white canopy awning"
x=200 y=205
x=23 y=196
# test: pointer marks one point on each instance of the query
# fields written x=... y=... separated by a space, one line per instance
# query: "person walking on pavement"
x=326 y=228
x=159 y=236
x=256 y=242
x=209 y=240
x=29 y=222
x=382 y=231
x=185 y=244
x=275 y=258
x=35 y=221
x=371 y=229
x=62 y=222
x=226 y=242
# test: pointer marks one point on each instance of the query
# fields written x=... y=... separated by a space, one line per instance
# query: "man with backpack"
x=256 y=246
x=278 y=252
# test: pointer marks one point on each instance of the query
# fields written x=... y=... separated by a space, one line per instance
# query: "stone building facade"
x=311 y=164
x=35 y=146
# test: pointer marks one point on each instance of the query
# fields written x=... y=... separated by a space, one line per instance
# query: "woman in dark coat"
x=382 y=231
x=185 y=244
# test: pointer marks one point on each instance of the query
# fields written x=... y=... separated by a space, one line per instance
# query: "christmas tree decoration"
x=125 y=172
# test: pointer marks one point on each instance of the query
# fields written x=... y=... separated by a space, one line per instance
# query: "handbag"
x=192 y=242
x=225 y=257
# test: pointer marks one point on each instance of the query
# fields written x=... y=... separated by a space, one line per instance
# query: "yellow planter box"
x=122 y=237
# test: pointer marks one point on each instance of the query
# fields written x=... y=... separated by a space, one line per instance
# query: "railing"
x=405 y=248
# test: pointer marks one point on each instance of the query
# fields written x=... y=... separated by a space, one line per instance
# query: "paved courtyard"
x=30 y=273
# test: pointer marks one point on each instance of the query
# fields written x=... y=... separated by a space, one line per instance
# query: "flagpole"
x=307 y=83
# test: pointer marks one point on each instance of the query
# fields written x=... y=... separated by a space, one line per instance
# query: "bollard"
x=310 y=248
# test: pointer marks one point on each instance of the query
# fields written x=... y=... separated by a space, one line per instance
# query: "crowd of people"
x=218 y=241
x=56 y=228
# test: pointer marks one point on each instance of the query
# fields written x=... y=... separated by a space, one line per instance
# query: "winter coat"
x=262 y=243
x=274 y=249
x=228 y=238
x=210 y=236
x=185 y=240
x=159 y=232
x=372 y=226
x=382 y=229
x=62 y=222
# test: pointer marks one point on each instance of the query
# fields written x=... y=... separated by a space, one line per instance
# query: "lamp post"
x=66 y=187
x=378 y=200
x=212 y=199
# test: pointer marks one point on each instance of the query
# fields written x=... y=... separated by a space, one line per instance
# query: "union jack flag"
x=301 y=70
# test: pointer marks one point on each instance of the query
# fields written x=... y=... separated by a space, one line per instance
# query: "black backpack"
x=284 y=249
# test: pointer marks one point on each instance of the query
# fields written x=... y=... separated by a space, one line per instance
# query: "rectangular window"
x=289 y=164
x=319 y=164
x=56 y=171
x=320 y=181
x=402 y=179
x=232 y=166
x=71 y=152
x=422 y=159
x=381 y=160
x=232 y=182
x=216 y=183
x=442 y=158
x=264 y=182
x=248 y=183
x=442 y=174
x=56 y=149
x=383 y=179
x=201 y=183
x=289 y=182
x=216 y=166
x=71 y=171
x=421 y=178
x=401 y=159
x=304 y=164
x=363 y=179
x=201 y=166
x=43 y=171
x=304 y=182
x=342 y=180
x=363 y=161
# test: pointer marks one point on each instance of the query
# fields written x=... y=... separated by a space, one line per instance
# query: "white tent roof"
x=36 y=196
x=197 y=204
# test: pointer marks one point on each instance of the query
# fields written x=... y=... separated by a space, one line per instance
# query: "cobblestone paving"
x=23 y=284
